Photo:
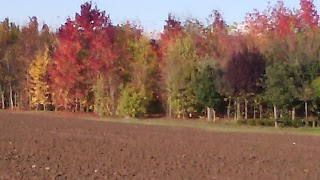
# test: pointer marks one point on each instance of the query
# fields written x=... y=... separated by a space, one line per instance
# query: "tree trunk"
x=306 y=109
x=65 y=105
x=235 y=110
x=80 y=106
x=275 y=116
x=170 y=107
x=113 y=99
x=293 y=113
x=179 y=109
x=214 y=115
x=15 y=100
x=254 y=111
x=86 y=105
x=313 y=123
x=11 y=96
x=229 y=107
x=238 y=110
x=209 y=113
x=260 y=111
x=28 y=93
x=30 y=101
x=18 y=101
x=246 y=109
x=76 y=110
x=2 y=100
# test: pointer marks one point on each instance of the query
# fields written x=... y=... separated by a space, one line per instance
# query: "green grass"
x=309 y=130
x=197 y=124
x=212 y=127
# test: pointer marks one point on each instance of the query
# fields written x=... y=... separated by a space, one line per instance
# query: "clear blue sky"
x=151 y=13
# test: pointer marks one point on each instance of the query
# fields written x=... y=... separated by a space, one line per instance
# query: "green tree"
x=279 y=84
x=132 y=103
x=180 y=62
x=205 y=88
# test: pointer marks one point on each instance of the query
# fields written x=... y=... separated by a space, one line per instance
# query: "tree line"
x=269 y=68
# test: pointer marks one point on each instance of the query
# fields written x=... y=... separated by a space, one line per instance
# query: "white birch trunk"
x=2 y=100
x=208 y=114
x=229 y=107
x=246 y=109
x=214 y=114
x=275 y=116
x=293 y=113
x=11 y=96
x=306 y=109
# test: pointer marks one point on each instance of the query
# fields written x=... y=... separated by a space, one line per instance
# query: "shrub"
x=251 y=122
x=241 y=122
x=257 y=122
x=297 y=123
x=132 y=103
x=268 y=122
x=287 y=122
x=260 y=122
x=286 y=119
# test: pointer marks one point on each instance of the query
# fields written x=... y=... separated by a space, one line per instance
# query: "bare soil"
x=50 y=146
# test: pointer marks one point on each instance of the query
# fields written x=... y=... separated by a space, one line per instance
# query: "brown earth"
x=46 y=146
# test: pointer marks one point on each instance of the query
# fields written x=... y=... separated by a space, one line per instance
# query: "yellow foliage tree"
x=37 y=72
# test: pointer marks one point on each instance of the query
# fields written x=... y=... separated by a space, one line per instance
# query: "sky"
x=150 y=14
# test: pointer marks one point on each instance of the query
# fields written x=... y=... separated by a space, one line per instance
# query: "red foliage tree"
x=218 y=44
x=308 y=14
x=64 y=67
x=171 y=30
x=84 y=49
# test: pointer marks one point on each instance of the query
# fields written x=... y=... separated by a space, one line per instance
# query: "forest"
x=266 y=67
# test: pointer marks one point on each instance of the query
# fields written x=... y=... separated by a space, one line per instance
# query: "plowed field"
x=47 y=146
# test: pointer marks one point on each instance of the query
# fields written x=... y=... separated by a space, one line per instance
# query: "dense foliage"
x=268 y=68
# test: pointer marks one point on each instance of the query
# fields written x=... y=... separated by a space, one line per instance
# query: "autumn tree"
x=38 y=79
x=171 y=31
x=79 y=57
x=141 y=63
x=32 y=39
x=217 y=44
x=9 y=52
x=308 y=14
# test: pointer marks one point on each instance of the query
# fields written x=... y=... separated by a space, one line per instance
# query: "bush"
x=288 y=122
x=132 y=103
x=251 y=122
x=297 y=123
x=256 y=122
x=268 y=122
x=260 y=122
x=241 y=122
